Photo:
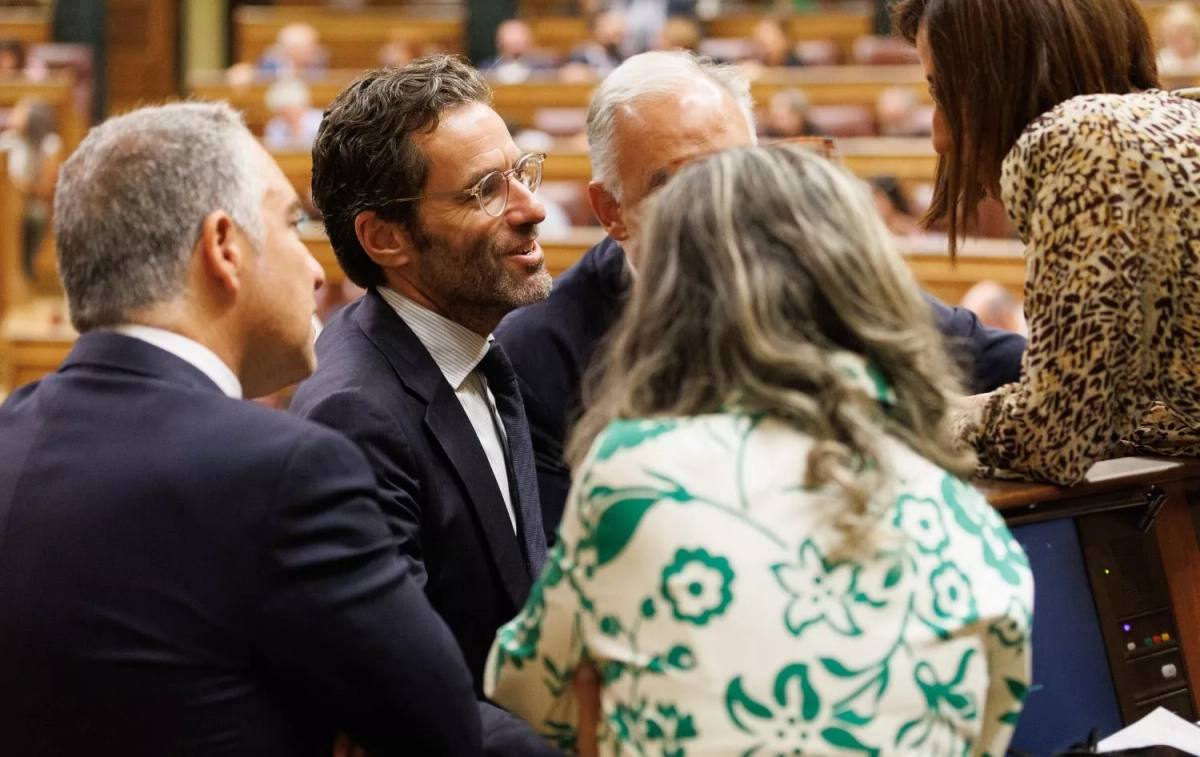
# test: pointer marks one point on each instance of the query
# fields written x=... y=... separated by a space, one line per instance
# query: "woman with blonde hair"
x=768 y=545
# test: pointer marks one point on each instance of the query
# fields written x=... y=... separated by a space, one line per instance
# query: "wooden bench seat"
x=351 y=36
x=35 y=340
x=354 y=36
x=31 y=26
x=910 y=160
x=519 y=103
x=57 y=91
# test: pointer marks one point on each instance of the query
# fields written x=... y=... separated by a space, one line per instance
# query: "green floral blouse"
x=694 y=572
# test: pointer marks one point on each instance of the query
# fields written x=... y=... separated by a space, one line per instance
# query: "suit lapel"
x=452 y=430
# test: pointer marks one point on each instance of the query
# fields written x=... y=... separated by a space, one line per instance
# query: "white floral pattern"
x=819 y=592
x=701 y=586
x=697 y=585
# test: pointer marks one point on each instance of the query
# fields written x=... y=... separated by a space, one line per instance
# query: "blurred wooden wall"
x=142 y=37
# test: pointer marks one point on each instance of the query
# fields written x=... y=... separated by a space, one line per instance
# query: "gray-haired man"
x=183 y=572
x=651 y=115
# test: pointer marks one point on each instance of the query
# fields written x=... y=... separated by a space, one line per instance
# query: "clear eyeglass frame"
x=492 y=191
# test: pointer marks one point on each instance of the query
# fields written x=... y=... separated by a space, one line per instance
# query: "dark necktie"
x=522 y=473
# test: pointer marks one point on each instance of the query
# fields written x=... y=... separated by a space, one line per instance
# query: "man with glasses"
x=430 y=207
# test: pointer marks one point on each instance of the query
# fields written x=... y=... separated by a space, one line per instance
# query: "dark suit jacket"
x=377 y=383
x=186 y=574
x=551 y=343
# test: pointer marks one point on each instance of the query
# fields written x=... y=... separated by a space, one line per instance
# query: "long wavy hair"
x=761 y=263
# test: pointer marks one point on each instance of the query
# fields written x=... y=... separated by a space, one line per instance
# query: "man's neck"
x=481 y=320
x=210 y=335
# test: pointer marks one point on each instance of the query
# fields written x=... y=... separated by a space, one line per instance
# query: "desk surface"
x=1104 y=477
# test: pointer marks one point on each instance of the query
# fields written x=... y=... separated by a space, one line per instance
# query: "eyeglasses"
x=492 y=190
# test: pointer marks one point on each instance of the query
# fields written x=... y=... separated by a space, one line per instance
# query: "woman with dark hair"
x=1053 y=107
x=768 y=548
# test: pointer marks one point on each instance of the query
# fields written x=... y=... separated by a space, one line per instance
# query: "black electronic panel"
x=1133 y=605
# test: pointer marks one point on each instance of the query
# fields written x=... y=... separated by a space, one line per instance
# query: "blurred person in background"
x=297 y=52
x=294 y=122
x=602 y=52
x=898 y=113
x=770 y=47
x=787 y=116
x=396 y=52
x=12 y=57
x=1179 y=32
x=34 y=154
x=678 y=33
x=516 y=57
x=996 y=307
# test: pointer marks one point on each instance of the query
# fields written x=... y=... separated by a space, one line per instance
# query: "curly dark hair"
x=365 y=155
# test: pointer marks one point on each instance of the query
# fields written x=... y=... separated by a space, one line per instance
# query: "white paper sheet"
x=1159 y=728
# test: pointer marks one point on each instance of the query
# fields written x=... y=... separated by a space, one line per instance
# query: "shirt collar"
x=456 y=349
x=190 y=351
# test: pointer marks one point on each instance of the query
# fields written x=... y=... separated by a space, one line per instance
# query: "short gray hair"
x=643 y=77
x=130 y=203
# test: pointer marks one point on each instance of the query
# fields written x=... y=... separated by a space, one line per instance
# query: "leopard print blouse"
x=1105 y=191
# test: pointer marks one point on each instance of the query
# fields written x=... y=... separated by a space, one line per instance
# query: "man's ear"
x=608 y=211
x=384 y=241
x=223 y=250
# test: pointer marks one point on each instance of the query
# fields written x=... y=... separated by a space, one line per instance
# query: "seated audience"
x=396 y=52
x=898 y=113
x=1179 y=29
x=769 y=547
x=1112 y=234
x=601 y=53
x=515 y=57
x=297 y=52
x=185 y=572
x=294 y=122
x=678 y=33
x=770 y=47
x=12 y=57
x=646 y=19
x=655 y=113
x=787 y=115
x=34 y=152
x=995 y=306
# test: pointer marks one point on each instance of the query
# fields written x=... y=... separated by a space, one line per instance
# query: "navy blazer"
x=183 y=573
x=551 y=343
x=376 y=383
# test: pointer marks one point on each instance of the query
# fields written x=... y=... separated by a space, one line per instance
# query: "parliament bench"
x=57 y=91
x=353 y=37
x=519 y=104
x=905 y=159
x=30 y=26
x=38 y=339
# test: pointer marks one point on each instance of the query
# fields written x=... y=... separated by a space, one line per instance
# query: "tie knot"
x=496 y=367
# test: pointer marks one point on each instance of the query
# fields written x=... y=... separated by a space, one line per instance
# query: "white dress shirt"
x=189 y=350
x=457 y=351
